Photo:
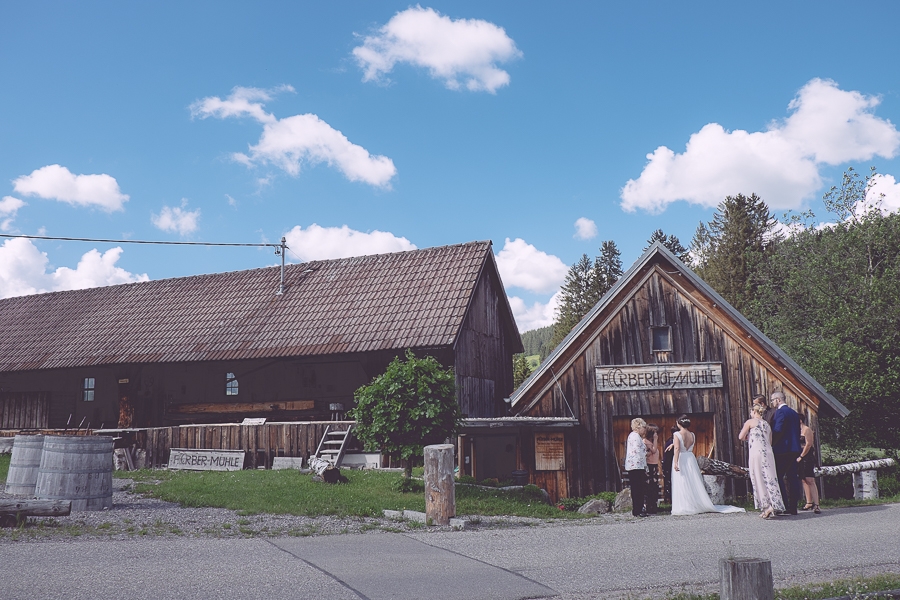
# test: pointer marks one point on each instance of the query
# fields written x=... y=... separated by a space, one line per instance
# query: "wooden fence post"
x=746 y=579
x=440 y=488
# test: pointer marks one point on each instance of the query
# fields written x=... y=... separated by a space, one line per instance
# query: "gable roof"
x=545 y=372
x=401 y=300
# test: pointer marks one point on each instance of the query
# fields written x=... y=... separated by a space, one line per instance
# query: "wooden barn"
x=660 y=343
x=218 y=348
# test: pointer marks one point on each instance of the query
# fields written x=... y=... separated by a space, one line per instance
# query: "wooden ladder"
x=333 y=445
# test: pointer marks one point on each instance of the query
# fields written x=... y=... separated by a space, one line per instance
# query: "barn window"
x=88 y=391
x=231 y=385
x=661 y=339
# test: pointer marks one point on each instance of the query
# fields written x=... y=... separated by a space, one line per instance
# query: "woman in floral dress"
x=766 y=493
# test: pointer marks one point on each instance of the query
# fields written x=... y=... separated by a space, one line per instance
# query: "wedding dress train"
x=689 y=496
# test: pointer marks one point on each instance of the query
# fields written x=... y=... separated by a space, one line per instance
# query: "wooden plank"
x=242 y=407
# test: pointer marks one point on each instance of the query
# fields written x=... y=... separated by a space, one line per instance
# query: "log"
x=440 y=487
x=867 y=465
x=327 y=471
x=746 y=579
x=711 y=466
x=13 y=512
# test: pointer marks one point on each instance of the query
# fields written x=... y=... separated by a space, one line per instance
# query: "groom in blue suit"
x=786 y=448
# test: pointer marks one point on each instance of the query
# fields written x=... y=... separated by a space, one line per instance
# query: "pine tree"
x=730 y=249
x=586 y=282
x=671 y=242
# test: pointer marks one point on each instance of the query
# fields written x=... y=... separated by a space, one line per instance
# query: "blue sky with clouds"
x=363 y=127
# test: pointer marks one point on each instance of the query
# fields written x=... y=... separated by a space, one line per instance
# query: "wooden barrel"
x=23 y=465
x=77 y=468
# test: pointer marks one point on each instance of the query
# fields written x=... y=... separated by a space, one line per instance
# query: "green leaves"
x=413 y=404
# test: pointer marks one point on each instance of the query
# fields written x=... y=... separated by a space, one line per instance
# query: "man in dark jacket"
x=786 y=448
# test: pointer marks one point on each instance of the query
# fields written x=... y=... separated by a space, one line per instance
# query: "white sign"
x=254 y=421
x=675 y=376
x=206 y=460
x=549 y=452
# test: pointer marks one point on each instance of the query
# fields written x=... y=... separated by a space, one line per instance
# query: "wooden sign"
x=673 y=376
x=206 y=460
x=549 y=451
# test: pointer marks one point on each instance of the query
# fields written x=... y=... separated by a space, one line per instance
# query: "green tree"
x=521 y=369
x=830 y=297
x=410 y=406
x=671 y=242
x=537 y=341
x=730 y=249
x=586 y=282
x=608 y=268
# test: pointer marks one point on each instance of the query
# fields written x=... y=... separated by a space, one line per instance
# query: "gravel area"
x=134 y=515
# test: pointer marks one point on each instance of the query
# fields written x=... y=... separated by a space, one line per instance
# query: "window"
x=661 y=339
x=231 y=385
x=88 y=391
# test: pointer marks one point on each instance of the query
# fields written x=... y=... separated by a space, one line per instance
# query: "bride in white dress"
x=689 y=495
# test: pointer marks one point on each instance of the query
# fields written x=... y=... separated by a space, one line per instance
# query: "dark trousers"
x=786 y=468
x=637 y=479
x=652 y=492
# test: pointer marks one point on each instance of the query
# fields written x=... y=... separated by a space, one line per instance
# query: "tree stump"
x=746 y=579
x=440 y=488
x=865 y=485
x=715 y=487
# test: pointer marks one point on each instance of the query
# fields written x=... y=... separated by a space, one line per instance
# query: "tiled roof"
x=386 y=301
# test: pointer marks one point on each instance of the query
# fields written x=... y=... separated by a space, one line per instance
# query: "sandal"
x=808 y=507
x=816 y=509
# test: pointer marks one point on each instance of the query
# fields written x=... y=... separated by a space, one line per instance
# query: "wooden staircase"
x=333 y=445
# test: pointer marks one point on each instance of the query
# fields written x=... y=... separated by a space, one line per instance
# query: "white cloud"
x=23 y=270
x=585 y=229
x=290 y=142
x=461 y=53
x=177 y=219
x=320 y=243
x=883 y=193
x=8 y=208
x=534 y=316
x=828 y=126
x=523 y=266
x=55 y=182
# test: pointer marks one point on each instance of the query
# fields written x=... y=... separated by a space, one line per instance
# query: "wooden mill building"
x=221 y=347
x=660 y=343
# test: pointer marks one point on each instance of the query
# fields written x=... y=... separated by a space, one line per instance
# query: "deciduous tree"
x=410 y=406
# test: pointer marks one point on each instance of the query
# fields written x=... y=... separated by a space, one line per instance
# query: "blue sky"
x=362 y=127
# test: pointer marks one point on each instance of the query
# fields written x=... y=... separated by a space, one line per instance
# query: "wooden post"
x=746 y=579
x=440 y=488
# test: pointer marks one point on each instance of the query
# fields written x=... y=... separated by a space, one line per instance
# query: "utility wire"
x=70 y=239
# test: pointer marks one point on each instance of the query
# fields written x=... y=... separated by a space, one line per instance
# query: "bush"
x=467 y=479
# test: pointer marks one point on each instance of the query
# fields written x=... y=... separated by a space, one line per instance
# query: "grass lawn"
x=289 y=492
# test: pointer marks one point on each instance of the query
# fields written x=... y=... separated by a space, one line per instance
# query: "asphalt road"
x=568 y=561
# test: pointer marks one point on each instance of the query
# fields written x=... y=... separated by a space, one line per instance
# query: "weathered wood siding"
x=484 y=351
x=621 y=336
x=24 y=410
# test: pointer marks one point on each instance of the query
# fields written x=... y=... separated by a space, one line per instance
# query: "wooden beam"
x=36 y=508
x=241 y=407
